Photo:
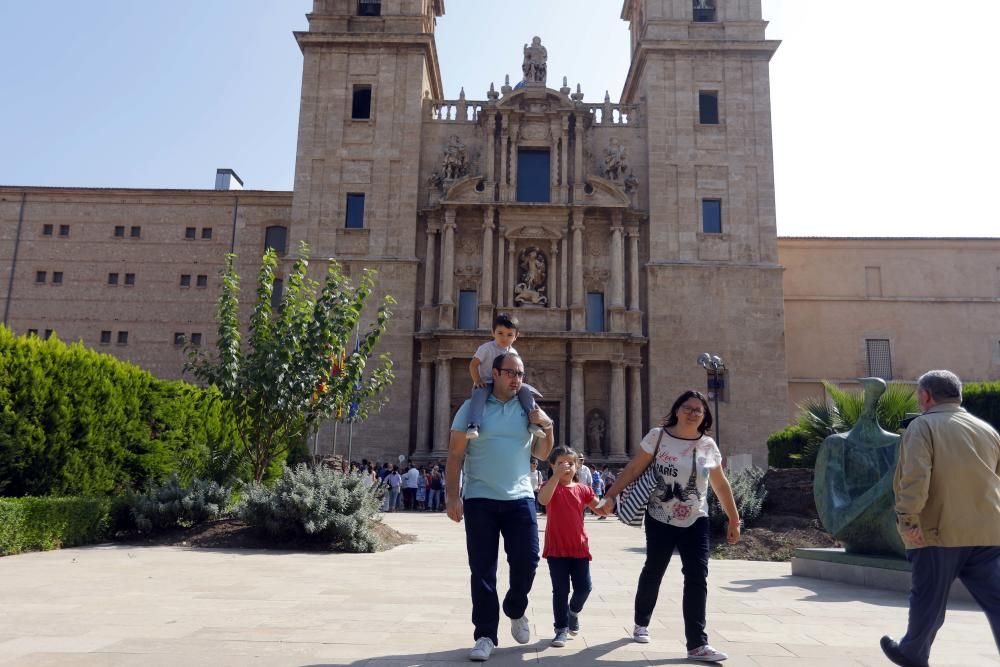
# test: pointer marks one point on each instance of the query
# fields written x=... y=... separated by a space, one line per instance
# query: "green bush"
x=785 y=449
x=983 y=400
x=748 y=491
x=33 y=524
x=314 y=502
x=174 y=504
x=74 y=422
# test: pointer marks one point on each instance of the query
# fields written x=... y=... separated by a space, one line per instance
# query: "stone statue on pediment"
x=530 y=288
x=615 y=160
x=535 y=63
x=596 y=428
x=454 y=164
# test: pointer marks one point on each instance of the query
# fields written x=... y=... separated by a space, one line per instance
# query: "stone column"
x=448 y=258
x=504 y=172
x=442 y=408
x=486 y=285
x=425 y=407
x=633 y=261
x=512 y=191
x=554 y=163
x=577 y=419
x=430 y=276
x=563 y=272
x=577 y=303
x=553 y=287
x=580 y=177
x=491 y=176
x=511 y=274
x=617 y=297
x=501 y=257
x=564 y=180
x=616 y=412
x=635 y=408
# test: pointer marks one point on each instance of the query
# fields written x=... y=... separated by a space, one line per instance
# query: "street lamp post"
x=714 y=363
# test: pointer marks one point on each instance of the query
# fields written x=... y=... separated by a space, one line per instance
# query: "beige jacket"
x=948 y=479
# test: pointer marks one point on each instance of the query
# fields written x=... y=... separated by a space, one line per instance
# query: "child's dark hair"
x=505 y=320
x=706 y=420
x=561 y=451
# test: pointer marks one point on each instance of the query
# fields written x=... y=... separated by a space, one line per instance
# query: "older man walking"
x=947 y=489
x=496 y=499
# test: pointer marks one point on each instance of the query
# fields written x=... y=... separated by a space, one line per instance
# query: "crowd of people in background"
x=420 y=488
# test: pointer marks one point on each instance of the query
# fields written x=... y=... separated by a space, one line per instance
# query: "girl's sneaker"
x=641 y=635
x=560 y=639
x=707 y=654
x=574 y=623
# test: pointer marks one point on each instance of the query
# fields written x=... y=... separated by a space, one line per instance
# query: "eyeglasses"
x=512 y=373
x=691 y=411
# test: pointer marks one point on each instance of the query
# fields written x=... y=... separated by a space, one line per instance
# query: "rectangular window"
x=704 y=11
x=32 y=332
x=361 y=103
x=112 y=278
x=105 y=337
x=123 y=338
x=178 y=338
x=130 y=279
x=48 y=334
x=369 y=7
x=206 y=233
x=711 y=216
x=879 y=358
x=276 y=238
x=186 y=280
x=708 y=107
x=595 y=311
x=190 y=233
x=57 y=277
x=533 y=175
x=63 y=230
x=135 y=232
x=120 y=231
x=40 y=276
x=468 y=304
x=196 y=339
x=355 y=211
x=46 y=230
x=202 y=281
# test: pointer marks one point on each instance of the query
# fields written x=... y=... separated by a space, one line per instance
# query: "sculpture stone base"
x=881 y=572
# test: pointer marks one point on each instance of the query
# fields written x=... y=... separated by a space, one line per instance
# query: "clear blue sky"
x=882 y=112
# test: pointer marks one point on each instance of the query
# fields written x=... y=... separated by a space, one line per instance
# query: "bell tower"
x=367 y=67
x=700 y=74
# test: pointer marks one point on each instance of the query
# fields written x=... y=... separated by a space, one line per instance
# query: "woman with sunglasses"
x=686 y=461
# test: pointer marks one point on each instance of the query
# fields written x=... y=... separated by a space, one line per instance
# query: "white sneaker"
x=707 y=654
x=520 y=630
x=481 y=651
x=641 y=634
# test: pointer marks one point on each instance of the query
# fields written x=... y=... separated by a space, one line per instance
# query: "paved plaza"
x=151 y=606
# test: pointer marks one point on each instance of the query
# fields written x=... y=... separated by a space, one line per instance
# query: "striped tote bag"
x=635 y=497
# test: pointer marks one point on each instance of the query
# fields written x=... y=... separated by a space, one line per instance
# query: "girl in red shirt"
x=566 y=548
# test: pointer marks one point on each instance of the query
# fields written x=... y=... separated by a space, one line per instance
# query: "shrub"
x=750 y=494
x=314 y=502
x=33 y=524
x=172 y=504
x=785 y=449
x=983 y=400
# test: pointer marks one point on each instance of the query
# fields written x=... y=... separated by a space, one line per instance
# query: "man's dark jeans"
x=692 y=543
x=485 y=521
x=934 y=570
x=563 y=571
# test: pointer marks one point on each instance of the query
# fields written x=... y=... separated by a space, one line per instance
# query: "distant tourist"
x=395 y=482
x=496 y=499
x=686 y=461
x=947 y=488
x=436 y=491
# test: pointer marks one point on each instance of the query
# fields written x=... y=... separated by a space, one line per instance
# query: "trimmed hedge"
x=983 y=400
x=74 y=422
x=786 y=448
x=39 y=524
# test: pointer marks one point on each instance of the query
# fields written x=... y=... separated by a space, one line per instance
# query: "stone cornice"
x=69 y=194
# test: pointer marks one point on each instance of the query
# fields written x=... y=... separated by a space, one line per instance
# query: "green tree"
x=298 y=364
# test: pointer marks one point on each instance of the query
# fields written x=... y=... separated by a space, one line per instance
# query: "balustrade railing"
x=464 y=111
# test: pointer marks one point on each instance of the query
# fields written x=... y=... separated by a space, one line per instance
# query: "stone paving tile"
x=117 y=606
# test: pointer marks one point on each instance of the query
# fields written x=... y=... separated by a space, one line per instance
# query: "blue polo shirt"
x=498 y=462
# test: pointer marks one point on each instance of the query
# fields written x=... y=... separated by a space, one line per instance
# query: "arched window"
x=276 y=237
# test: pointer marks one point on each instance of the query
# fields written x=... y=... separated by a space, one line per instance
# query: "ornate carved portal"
x=532 y=278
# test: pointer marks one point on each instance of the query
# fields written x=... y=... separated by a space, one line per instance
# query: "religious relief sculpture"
x=596 y=427
x=530 y=289
x=455 y=162
x=535 y=61
x=615 y=160
x=631 y=183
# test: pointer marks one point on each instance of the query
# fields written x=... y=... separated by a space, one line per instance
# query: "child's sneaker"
x=536 y=431
x=706 y=654
x=574 y=623
x=560 y=639
x=473 y=432
x=641 y=635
